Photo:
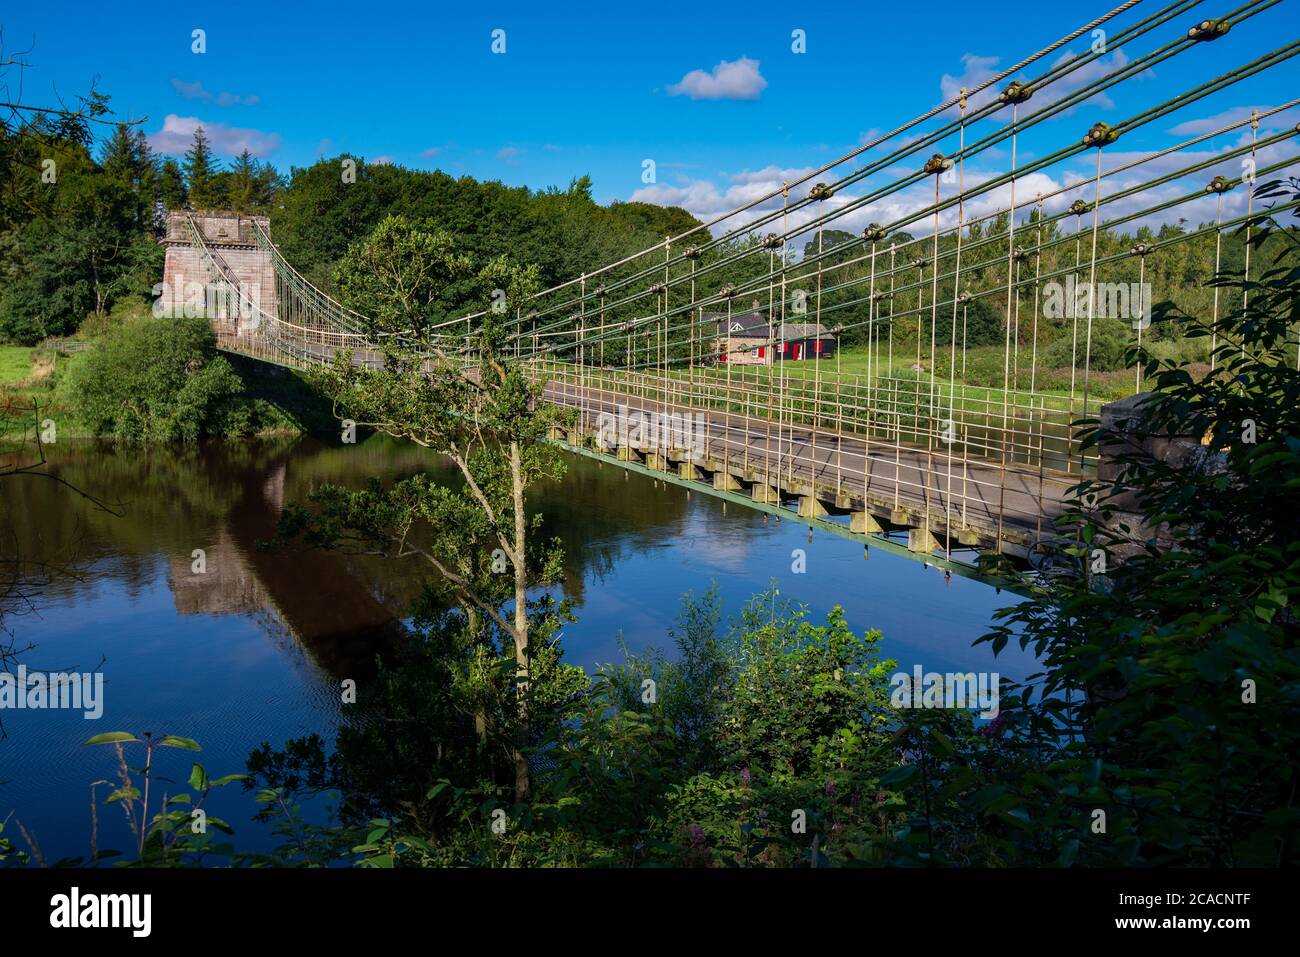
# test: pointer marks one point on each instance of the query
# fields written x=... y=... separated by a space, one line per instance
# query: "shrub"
x=1110 y=340
x=157 y=380
x=123 y=312
x=985 y=325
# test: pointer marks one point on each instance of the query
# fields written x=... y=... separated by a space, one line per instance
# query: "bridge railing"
x=1020 y=429
x=942 y=485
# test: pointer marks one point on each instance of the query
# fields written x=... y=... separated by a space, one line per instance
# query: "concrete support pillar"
x=920 y=540
x=810 y=507
x=725 y=482
x=764 y=494
x=864 y=523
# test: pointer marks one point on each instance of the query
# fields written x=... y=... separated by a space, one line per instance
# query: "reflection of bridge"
x=341 y=633
x=896 y=442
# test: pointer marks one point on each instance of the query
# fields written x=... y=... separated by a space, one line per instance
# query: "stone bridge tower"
x=232 y=243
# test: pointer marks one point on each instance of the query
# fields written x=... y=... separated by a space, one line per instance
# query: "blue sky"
x=593 y=88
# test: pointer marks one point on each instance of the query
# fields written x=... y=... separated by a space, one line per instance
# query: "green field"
x=15 y=364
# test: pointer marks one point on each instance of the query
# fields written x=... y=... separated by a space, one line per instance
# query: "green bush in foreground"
x=160 y=380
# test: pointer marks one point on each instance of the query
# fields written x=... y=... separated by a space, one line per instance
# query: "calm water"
x=254 y=649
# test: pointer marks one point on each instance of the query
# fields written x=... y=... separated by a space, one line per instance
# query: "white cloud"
x=1278 y=121
x=510 y=154
x=195 y=91
x=978 y=69
x=178 y=132
x=707 y=200
x=431 y=152
x=729 y=80
x=704 y=198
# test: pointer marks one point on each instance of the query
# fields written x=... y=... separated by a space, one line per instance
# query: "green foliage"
x=158 y=380
x=399 y=274
x=564 y=232
x=1111 y=340
x=176 y=834
x=83 y=250
x=201 y=170
x=798 y=684
x=1172 y=678
x=690 y=688
x=9 y=856
x=984 y=324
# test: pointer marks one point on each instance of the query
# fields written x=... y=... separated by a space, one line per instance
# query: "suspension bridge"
x=714 y=359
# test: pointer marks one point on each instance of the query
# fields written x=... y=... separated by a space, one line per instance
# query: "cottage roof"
x=744 y=325
x=753 y=325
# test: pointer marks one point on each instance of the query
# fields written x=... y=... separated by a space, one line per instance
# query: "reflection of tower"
x=227 y=586
x=273 y=487
x=317 y=598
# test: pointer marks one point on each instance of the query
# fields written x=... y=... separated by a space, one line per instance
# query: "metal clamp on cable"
x=1100 y=135
x=821 y=191
x=1016 y=92
x=1219 y=184
x=936 y=164
x=1208 y=30
x=1079 y=207
x=873 y=233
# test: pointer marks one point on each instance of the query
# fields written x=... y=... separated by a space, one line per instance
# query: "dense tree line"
x=76 y=241
x=77 y=233
x=336 y=203
x=80 y=220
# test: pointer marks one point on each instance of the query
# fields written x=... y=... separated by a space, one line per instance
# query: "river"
x=254 y=648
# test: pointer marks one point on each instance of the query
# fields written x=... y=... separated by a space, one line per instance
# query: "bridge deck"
x=964 y=501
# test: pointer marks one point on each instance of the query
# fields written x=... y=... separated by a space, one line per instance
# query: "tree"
x=487 y=418
x=397 y=275
x=984 y=325
x=243 y=183
x=129 y=160
x=201 y=170
x=171 y=186
x=1169 y=641
x=155 y=380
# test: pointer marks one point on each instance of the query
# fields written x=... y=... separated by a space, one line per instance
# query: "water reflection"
x=253 y=649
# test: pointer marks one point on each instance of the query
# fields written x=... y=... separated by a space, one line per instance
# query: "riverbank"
x=34 y=387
